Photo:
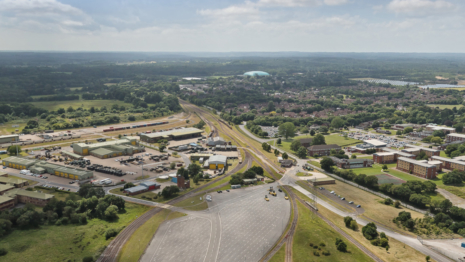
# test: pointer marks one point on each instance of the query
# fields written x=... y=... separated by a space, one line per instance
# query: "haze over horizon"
x=420 y=26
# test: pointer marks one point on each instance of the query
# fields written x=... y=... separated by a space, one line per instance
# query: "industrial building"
x=142 y=187
x=374 y=143
x=351 y=163
x=214 y=141
x=417 y=168
x=216 y=162
x=176 y=134
x=71 y=155
x=322 y=150
x=125 y=146
x=18 y=162
x=15 y=196
x=62 y=171
x=9 y=139
x=198 y=156
x=455 y=137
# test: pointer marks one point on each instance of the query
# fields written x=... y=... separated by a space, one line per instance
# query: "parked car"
x=359 y=206
x=351 y=202
x=343 y=198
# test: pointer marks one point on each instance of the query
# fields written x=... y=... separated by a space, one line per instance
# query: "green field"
x=135 y=246
x=330 y=139
x=280 y=255
x=55 y=105
x=65 y=243
x=312 y=229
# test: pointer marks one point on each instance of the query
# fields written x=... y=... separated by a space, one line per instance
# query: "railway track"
x=111 y=252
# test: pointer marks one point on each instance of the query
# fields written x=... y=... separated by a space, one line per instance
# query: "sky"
x=423 y=26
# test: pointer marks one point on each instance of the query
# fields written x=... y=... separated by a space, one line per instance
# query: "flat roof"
x=457 y=135
x=20 y=160
x=64 y=169
x=5 y=187
x=102 y=151
x=175 y=132
x=33 y=194
x=218 y=158
x=4 y=199
x=135 y=189
x=462 y=158
x=448 y=160
x=415 y=162
x=375 y=142
x=385 y=154
x=434 y=162
x=11 y=180
x=71 y=154
x=8 y=136
x=423 y=148
x=106 y=143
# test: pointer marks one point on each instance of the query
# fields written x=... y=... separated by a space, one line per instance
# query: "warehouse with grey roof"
x=176 y=134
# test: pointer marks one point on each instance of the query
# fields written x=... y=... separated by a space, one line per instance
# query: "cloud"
x=246 y=10
x=292 y=3
x=37 y=7
x=420 y=7
x=335 y=2
x=44 y=16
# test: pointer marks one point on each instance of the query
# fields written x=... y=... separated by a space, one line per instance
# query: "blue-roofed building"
x=256 y=73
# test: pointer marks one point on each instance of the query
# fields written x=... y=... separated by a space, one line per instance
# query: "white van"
x=24 y=172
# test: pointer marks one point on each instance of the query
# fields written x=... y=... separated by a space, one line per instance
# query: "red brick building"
x=322 y=150
x=455 y=137
x=417 y=168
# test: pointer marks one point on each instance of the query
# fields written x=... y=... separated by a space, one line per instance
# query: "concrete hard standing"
x=237 y=226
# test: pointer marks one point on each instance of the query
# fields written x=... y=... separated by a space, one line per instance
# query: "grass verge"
x=135 y=246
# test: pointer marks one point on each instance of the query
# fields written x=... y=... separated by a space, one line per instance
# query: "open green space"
x=55 y=105
x=330 y=139
x=314 y=230
x=67 y=242
x=195 y=203
x=304 y=174
x=280 y=255
x=314 y=163
x=135 y=246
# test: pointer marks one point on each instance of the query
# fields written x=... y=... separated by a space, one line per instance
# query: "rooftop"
x=175 y=132
x=5 y=187
x=415 y=162
x=106 y=143
x=8 y=136
x=457 y=135
x=33 y=194
x=217 y=158
x=11 y=180
x=375 y=142
x=135 y=189
x=20 y=160
x=448 y=160
x=4 y=199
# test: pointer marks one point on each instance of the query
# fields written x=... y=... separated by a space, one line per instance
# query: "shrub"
x=111 y=233
x=326 y=253
x=315 y=246
x=88 y=259
x=322 y=244
x=375 y=242
x=143 y=196
x=388 y=201
x=340 y=245
x=3 y=252
x=382 y=235
x=384 y=242
x=347 y=220
x=353 y=225
x=311 y=244
x=316 y=253
x=369 y=231
x=397 y=204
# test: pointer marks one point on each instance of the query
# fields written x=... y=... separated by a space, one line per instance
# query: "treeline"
x=57 y=98
x=94 y=204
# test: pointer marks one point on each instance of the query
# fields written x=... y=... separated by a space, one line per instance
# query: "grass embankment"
x=374 y=209
x=304 y=174
x=314 y=163
x=280 y=256
x=447 y=106
x=66 y=242
x=195 y=203
x=135 y=246
x=398 y=251
x=312 y=229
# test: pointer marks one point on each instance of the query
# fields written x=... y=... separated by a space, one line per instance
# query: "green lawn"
x=194 y=203
x=78 y=103
x=312 y=229
x=330 y=139
x=65 y=243
x=304 y=174
x=135 y=246
x=314 y=163
x=443 y=154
